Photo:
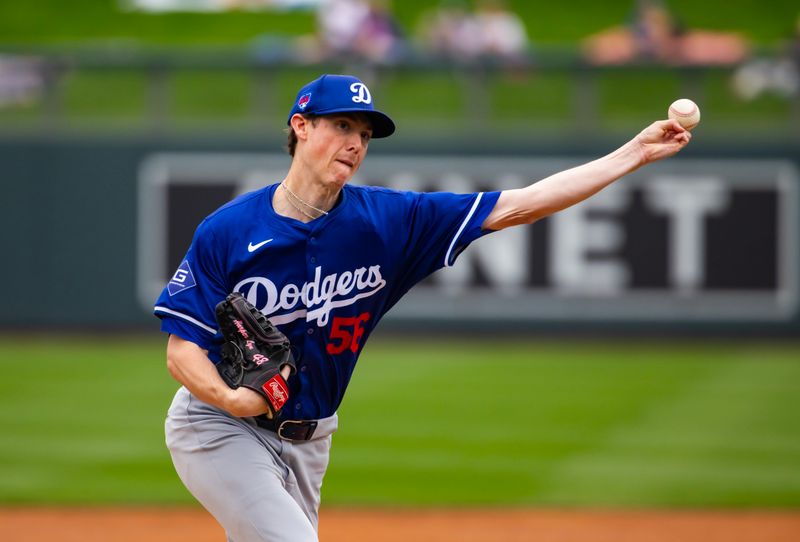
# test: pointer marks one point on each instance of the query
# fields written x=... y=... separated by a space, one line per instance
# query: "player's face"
x=337 y=145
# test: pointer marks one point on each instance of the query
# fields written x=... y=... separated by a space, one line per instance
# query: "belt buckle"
x=296 y=429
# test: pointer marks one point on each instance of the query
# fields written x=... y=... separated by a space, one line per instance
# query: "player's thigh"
x=239 y=483
x=308 y=462
x=235 y=475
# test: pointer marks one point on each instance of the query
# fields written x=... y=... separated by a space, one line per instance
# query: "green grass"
x=82 y=422
x=475 y=423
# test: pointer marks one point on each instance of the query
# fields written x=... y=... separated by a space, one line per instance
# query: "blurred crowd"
x=653 y=33
x=488 y=30
x=778 y=75
x=368 y=32
x=367 y=29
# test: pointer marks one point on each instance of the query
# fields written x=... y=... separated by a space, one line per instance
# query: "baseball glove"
x=254 y=352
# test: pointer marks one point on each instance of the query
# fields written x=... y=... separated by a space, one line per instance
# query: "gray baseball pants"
x=259 y=487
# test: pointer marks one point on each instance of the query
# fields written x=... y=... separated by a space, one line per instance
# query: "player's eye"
x=366 y=136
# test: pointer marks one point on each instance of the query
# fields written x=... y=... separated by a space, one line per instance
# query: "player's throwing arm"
x=526 y=205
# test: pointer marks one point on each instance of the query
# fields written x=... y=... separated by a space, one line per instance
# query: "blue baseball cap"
x=341 y=94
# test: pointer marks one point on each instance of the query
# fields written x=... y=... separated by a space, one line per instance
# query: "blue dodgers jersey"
x=325 y=284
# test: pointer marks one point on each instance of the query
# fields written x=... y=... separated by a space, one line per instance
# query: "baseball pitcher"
x=282 y=287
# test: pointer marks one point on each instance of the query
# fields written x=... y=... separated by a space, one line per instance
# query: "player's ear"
x=300 y=126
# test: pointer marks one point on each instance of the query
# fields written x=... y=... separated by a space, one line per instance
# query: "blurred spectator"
x=452 y=30
x=21 y=80
x=502 y=34
x=654 y=34
x=358 y=29
x=779 y=76
x=380 y=38
x=338 y=23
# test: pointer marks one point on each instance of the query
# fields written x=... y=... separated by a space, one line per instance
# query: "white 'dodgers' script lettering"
x=313 y=300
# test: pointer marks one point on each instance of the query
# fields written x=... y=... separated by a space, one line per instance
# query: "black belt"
x=289 y=429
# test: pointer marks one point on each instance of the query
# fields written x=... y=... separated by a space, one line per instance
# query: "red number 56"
x=346 y=333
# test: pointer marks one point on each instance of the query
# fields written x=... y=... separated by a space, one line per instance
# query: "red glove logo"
x=277 y=392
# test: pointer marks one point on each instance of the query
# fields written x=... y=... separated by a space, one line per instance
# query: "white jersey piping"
x=461 y=229
x=185 y=317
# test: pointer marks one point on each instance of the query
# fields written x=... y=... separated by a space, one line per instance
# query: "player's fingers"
x=666 y=136
x=668 y=130
x=672 y=125
x=676 y=126
x=683 y=135
x=662 y=131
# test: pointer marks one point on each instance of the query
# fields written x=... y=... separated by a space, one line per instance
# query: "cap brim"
x=382 y=125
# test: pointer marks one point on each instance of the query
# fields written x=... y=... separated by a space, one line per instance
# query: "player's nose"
x=356 y=143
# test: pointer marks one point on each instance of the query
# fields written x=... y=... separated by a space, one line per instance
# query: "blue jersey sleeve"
x=440 y=226
x=186 y=305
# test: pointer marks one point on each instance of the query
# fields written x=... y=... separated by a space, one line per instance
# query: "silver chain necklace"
x=298 y=198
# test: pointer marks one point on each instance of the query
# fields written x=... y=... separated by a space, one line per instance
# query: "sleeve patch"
x=183 y=279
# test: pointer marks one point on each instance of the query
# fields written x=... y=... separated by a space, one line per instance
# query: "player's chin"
x=343 y=173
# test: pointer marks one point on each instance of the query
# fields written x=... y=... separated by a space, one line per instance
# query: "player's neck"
x=303 y=201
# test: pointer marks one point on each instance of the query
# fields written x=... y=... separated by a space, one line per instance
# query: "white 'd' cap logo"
x=361 y=92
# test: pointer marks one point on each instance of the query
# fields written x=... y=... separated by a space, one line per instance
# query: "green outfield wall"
x=705 y=242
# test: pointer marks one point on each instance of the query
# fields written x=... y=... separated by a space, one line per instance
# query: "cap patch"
x=303 y=101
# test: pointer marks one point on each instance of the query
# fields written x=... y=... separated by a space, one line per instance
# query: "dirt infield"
x=340 y=525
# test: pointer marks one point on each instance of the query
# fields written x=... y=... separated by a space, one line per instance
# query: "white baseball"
x=686 y=112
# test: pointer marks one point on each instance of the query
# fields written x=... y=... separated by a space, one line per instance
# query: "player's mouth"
x=348 y=163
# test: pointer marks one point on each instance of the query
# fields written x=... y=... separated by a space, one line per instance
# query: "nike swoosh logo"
x=252 y=248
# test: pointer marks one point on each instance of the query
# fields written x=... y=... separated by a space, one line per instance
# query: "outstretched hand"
x=661 y=139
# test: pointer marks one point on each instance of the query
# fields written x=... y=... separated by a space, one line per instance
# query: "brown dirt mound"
x=439 y=525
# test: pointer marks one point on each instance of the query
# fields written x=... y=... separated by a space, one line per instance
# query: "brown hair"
x=291 y=140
